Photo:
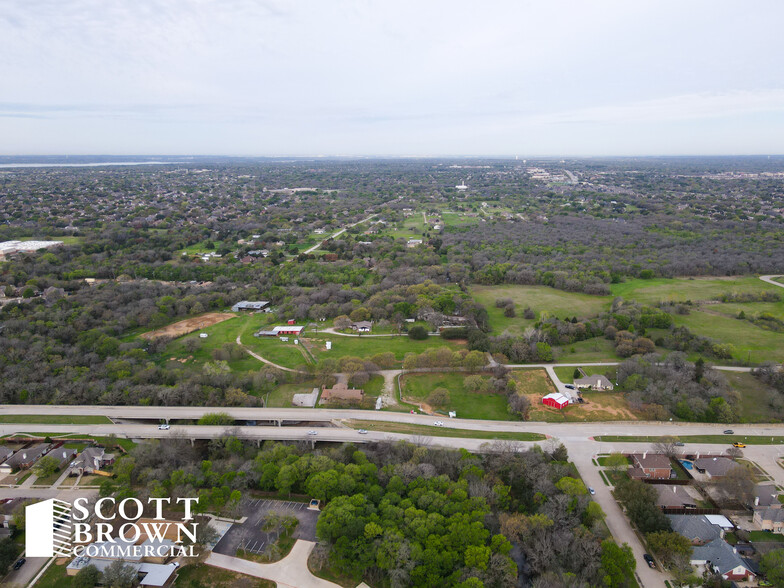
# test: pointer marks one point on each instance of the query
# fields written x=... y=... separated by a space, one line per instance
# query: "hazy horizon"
x=270 y=78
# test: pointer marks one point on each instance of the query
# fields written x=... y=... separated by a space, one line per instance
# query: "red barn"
x=555 y=400
x=291 y=322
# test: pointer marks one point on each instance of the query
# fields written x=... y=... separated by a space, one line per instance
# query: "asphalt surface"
x=249 y=536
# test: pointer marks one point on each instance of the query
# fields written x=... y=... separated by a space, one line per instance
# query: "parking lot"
x=251 y=538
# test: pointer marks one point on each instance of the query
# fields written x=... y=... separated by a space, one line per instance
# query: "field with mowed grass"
x=682 y=289
x=540 y=299
x=366 y=347
x=598 y=349
x=416 y=388
x=533 y=382
x=751 y=343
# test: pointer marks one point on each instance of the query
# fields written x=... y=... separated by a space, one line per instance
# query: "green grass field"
x=597 y=349
x=55 y=577
x=731 y=309
x=55 y=419
x=751 y=342
x=682 y=289
x=539 y=299
x=753 y=407
x=533 y=382
x=468 y=405
x=718 y=439
x=431 y=431
x=369 y=346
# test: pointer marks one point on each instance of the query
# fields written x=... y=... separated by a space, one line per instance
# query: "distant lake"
x=4 y=165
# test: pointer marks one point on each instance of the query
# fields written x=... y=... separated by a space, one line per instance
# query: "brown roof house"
x=597 y=382
x=341 y=393
x=650 y=465
x=90 y=460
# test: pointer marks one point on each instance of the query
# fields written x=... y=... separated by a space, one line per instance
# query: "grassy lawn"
x=374 y=387
x=597 y=349
x=273 y=349
x=430 y=431
x=732 y=309
x=753 y=397
x=204 y=575
x=369 y=346
x=540 y=299
x=682 y=289
x=281 y=396
x=468 y=405
x=751 y=342
x=603 y=460
x=766 y=536
x=534 y=382
x=55 y=577
x=55 y=419
x=719 y=439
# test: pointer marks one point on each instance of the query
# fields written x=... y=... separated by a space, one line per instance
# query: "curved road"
x=337 y=234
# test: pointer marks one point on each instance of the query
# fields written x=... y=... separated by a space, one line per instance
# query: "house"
x=251 y=305
x=63 y=455
x=278 y=331
x=362 y=326
x=714 y=467
x=5 y=453
x=596 y=382
x=766 y=496
x=555 y=400
x=696 y=528
x=414 y=242
x=723 y=559
x=769 y=519
x=673 y=496
x=90 y=460
x=342 y=393
x=653 y=466
x=24 y=458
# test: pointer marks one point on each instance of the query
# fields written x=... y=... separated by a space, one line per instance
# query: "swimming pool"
x=687 y=464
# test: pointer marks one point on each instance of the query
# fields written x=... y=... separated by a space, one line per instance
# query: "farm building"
x=250 y=305
x=278 y=331
x=596 y=382
x=555 y=400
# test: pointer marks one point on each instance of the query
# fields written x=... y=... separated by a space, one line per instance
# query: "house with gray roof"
x=252 y=305
x=723 y=559
x=766 y=496
x=24 y=458
x=714 y=467
x=769 y=519
x=595 y=382
x=696 y=528
x=89 y=460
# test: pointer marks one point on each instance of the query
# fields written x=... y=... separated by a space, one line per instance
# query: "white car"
x=176 y=564
x=591 y=490
x=363 y=432
x=163 y=427
x=438 y=424
x=312 y=432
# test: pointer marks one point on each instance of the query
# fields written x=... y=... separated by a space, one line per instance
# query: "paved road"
x=338 y=233
x=770 y=280
x=290 y=572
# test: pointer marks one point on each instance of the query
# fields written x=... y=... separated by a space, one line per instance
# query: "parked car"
x=729 y=432
x=163 y=427
x=312 y=432
x=649 y=560
x=591 y=490
x=176 y=564
x=19 y=563
x=363 y=431
x=738 y=444
x=570 y=387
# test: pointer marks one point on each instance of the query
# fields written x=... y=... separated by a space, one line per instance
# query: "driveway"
x=290 y=572
x=249 y=536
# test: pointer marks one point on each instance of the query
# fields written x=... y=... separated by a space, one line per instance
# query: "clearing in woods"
x=188 y=325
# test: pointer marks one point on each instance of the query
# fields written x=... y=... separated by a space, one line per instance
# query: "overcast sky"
x=393 y=77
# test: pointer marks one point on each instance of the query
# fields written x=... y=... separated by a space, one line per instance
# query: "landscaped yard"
x=766 y=536
x=470 y=405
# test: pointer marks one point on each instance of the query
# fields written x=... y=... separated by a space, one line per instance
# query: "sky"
x=391 y=78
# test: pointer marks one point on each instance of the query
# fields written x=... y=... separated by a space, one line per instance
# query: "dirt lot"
x=189 y=325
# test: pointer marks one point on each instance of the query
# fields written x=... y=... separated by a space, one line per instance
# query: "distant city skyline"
x=459 y=78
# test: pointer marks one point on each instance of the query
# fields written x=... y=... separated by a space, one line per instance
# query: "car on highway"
x=738 y=444
x=649 y=560
x=438 y=424
x=19 y=563
x=312 y=432
x=591 y=490
x=363 y=431
x=163 y=427
x=679 y=444
x=729 y=432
